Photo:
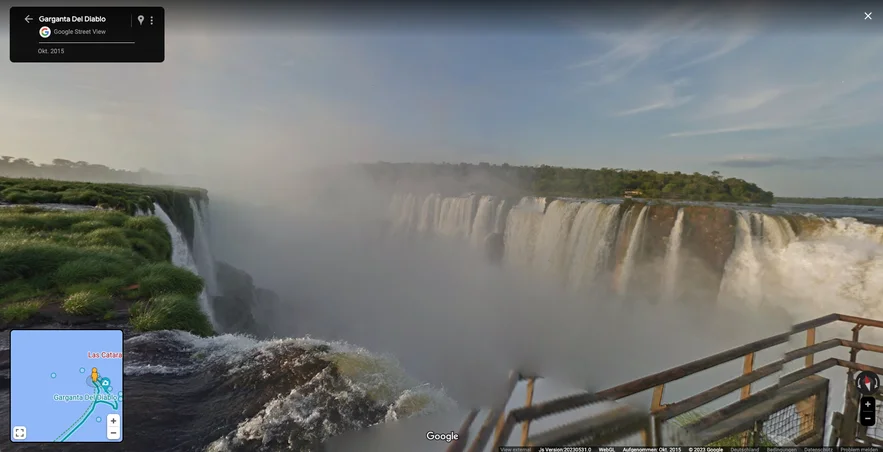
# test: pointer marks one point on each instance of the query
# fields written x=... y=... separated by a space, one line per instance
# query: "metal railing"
x=800 y=393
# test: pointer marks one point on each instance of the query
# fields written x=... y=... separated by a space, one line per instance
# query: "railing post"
x=747 y=368
x=498 y=430
x=656 y=405
x=810 y=340
x=525 y=428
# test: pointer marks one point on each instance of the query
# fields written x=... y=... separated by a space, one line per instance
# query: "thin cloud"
x=730 y=44
x=663 y=105
x=742 y=128
x=629 y=50
x=664 y=97
x=677 y=33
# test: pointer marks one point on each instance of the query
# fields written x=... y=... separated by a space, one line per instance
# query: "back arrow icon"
x=28 y=18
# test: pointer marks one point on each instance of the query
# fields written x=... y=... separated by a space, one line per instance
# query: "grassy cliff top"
x=96 y=264
x=175 y=201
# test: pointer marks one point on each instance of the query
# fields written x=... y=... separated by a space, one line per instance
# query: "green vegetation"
x=88 y=302
x=170 y=312
x=842 y=201
x=571 y=182
x=121 y=197
x=84 y=263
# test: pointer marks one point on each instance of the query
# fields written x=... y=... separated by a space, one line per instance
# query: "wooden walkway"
x=792 y=410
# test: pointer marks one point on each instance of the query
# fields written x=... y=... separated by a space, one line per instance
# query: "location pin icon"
x=140 y=20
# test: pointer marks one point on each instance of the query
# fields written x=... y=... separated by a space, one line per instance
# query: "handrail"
x=659 y=379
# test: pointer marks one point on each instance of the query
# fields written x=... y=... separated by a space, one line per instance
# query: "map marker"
x=94 y=374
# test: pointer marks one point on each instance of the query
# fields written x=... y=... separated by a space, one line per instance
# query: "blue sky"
x=797 y=110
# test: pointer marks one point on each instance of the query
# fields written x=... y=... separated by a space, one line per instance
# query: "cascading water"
x=485 y=219
x=632 y=252
x=550 y=249
x=182 y=257
x=672 y=259
x=455 y=218
x=202 y=251
x=589 y=242
x=828 y=265
x=837 y=266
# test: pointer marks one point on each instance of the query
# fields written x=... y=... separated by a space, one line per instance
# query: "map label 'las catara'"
x=104 y=355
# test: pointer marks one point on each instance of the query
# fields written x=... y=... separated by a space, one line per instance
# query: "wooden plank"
x=745 y=420
x=484 y=433
x=861 y=321
x=812 y=349
x=810 y=341
x=747 y=368
x=862 y=346
x=691 y=403
x=857 y=366
x=525 y=428
x=656 y=402
x=807 y=371
x=642 y=384
x=505 y=432
x=463 y=440
x=815 y=323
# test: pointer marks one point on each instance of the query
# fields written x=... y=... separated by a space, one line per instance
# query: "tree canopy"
x=505 y=179
x=548 y=180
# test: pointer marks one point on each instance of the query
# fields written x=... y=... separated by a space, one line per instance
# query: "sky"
x=795 y=108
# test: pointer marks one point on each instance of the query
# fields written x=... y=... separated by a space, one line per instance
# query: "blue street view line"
x=79 y=423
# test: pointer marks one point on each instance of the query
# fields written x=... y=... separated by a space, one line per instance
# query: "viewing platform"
x=792 y=411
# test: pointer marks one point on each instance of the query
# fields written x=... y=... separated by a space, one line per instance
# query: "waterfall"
x=485 y=220
x=672 y=259
x=520 y=235
x=500 y=216
x=834 y=266
x=589 y=242
x=182 y=257
x=741 y=279
x=534 y=203
x=632 y=252
x=202 y=251
x=427 y=220
x=806 y=265
x=550 y=248
x=456 y=215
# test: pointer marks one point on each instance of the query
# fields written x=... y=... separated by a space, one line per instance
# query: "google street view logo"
x=45 y=32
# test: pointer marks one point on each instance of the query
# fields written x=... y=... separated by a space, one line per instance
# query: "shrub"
x=109 y=237
x=26 y=260
x=164 y=278
x=87 y=303
x=88 y=226
x=170 y=312
x=19 y=312
x=92 y=269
